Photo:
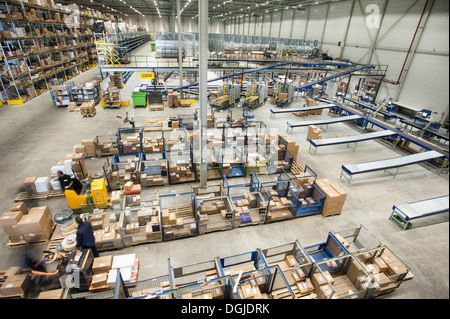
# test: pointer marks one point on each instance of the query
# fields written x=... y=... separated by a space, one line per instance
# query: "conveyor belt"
x=301 y=109
x=421 y=127
x=324 y=121
x=413 y=138
x=396 y=162
x=351 y=139
x=422 y=208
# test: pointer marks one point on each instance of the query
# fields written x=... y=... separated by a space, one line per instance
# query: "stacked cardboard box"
x=320 y=282
x=9 y=221
x=101 y=267
x=105 y=226
x=15 y=285
x=37 y=225
x=292 y=146
x=335 y=197
x=212 y=207
x=314 y=133
x=89 y=145
x=52 y=294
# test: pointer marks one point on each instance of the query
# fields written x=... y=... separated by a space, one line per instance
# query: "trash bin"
x=153 y=47
x=139 y=99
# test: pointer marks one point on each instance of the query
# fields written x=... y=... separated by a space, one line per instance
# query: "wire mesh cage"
x=129 y=140
x=357 y=239
x=340 y=278
x=237 y=188
x=295 y=264
x=250 y=209
x=152 y=169
x=141 y=220
x=213 y=213
x=280 y=198
x=386 y=269
x=152 y=139
x=154 y=288
x=218 y=288
x=195 y=273
x=258 y=160
x=178 y=218
x=106 y=145
x=106 y=225
x=331 y=248
x=263 y=283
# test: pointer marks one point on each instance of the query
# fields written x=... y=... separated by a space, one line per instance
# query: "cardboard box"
x=305 y=287
x=9 y=219
x=324 y=292
x=15 y=285
x=36 y=221
x=99 y=280
x=290 y=260
x=52 y=294
x=102 y=264
x=396 y=268
x=20 y=206
x=318 y=280
x=381 y=264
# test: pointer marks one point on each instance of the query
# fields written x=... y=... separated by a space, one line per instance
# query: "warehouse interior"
x=209 y=178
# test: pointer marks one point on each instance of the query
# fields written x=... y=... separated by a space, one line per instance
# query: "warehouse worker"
x=68 y=182
x=85 y=236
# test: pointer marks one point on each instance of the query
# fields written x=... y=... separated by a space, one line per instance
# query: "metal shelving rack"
x=60 y=52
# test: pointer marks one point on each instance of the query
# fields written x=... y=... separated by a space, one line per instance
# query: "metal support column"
x=180 y=56
x=203 y=86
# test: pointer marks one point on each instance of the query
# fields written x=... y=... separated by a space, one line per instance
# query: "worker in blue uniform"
x=85 y=236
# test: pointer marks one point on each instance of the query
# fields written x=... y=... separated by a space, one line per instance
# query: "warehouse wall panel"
x=266 y=25
x=337 y=21
x=286 y=24
x=398 y=28
x=435 y=34
x=362 y=31
x=299 y=27
x=427 y=82
x=276 y=23
x=316 y=22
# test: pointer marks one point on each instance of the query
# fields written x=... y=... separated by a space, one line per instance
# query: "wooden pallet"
x=181 y=211
x=21 y=244
x=297 y=169
x=24 y=196
x=156 y=107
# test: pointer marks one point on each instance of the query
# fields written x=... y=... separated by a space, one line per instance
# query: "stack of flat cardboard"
x=335 y=197
x=314 y=133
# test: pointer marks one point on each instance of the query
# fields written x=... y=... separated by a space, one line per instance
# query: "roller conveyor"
x=291 y=126
x=301 y=109
x=403 y=215
x=349 y=139
x=397 y=162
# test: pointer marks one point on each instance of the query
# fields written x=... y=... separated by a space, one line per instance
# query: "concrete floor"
x=37 y=134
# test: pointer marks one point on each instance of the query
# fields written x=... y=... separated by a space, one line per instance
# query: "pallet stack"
x=172 y=99
x=87 y=109
x=314 y=133
x=335 y=197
